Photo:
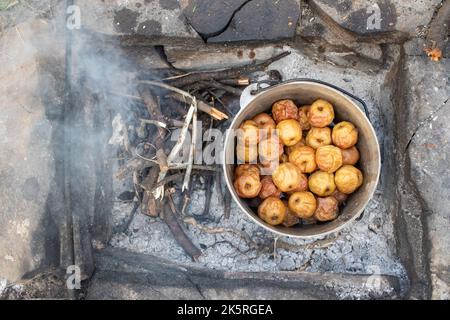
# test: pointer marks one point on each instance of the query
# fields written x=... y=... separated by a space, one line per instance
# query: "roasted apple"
x=303 y=204
x=302 y=186
x=301 y=143
x=329 y=158
x=247 y=168
x=303 y=117
x=272 y=211
x=304 y=158
x=291 y=219
x=268 y=188
x=267 y=168
x=350 y=156
x=345 y=135
x=270 y=149
x=265 y=122
x=289 y=132
x=348 y=179
x=327 y=209
x=318 y=137
x=321 y=114
x=248 y=133
x=339 y=196
x=248 y=154
x=284 y=110
x=287 y=177
x=247 y=185
x=322 y=183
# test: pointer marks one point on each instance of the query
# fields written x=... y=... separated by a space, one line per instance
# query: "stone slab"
x=408 y=16
x=210 y=17
x=262 y=20
x=31 y=56
x=427 y=97
x=125 y=275
x=149 y=18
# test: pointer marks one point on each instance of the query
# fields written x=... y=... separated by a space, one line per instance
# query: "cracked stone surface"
x=210 y=17
x=428 y=94
x=150 y=18
x=276 y=19
x=360 y=16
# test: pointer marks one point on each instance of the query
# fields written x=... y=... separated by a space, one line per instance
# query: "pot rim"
x=274 y=229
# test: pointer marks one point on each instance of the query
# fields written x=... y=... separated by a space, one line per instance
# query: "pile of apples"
x=297 y=163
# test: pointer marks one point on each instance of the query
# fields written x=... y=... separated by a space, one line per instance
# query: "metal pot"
x=305 y=91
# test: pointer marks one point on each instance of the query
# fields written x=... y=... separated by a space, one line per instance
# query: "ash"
x=365 y=247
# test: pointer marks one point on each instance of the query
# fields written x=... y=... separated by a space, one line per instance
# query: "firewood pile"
x=183 y=102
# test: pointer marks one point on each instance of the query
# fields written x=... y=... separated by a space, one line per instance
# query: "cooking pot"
x=304 y=92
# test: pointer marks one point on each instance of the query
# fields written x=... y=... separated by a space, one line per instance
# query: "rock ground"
x=428 y=93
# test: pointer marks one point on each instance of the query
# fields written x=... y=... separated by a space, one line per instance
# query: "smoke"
x=60 y=90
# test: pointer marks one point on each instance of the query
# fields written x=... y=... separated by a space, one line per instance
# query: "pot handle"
x=260 y=89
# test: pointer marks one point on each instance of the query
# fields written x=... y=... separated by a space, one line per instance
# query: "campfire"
x=198 y=101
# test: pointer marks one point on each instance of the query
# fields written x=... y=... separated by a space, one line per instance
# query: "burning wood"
x=156 y=169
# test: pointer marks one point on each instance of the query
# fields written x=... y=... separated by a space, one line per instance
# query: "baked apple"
x=248 y=154
x=321 y=114
x=270 y=149
x=322 y=183
x=247 y=168
x=301 y=143
x=248 y=133
x=339 y=196
x=272 y=211
x=304 y=158
x=329 y=158
x=268 y=167
x=287 y=177
x=327 y=209
x=289 y=132
x=303 y=204
x=247 y=185
x=291 y=218
x=345 y=135
x=348 y=179
x=350 y=156
x=303 y=117
x=284 y=158
x=302 y=186
x=268 y=188
x=318 y=137
x=265 y=122
x=284 y=110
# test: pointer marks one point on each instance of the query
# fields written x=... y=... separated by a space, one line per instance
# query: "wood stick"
x=166 y=180
x=218 y=85
x=225 y=74
x=150 y=203
x=174 y=226
x=150 y=206
x=204 y=107
x=245 y=81
x=227 y=207
x=208 y=192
